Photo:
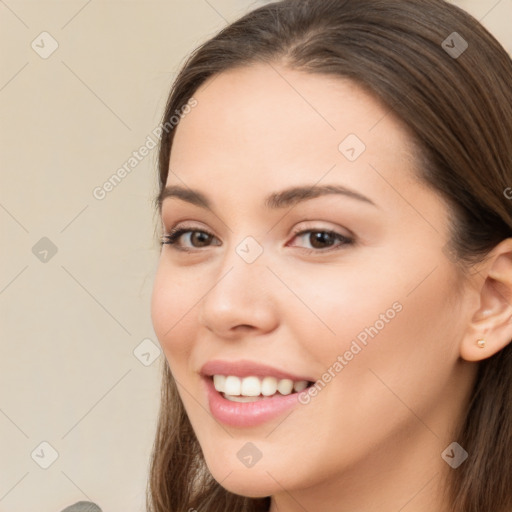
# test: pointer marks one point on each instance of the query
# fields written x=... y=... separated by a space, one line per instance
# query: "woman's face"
x=353 y=290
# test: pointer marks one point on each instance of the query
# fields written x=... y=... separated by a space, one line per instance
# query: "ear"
x=492 y=318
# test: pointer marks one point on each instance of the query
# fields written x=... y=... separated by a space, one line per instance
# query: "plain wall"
x=71 y=321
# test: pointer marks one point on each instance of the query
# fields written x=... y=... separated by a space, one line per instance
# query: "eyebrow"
x=283 y=199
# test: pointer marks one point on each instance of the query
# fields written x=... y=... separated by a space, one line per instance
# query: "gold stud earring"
x=481 y=343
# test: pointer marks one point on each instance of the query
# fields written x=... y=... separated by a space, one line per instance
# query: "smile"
x=240 y=410
x=252 y=388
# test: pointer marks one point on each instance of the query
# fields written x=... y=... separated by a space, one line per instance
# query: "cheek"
x=401 y=324
x=172 y=307
x=334 y=306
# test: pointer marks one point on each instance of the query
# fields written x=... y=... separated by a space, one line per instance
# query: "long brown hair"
x=459 y=110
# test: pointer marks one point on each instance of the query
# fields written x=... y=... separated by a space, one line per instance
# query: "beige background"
x=70 y=324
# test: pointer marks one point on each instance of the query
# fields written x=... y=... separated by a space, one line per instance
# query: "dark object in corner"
x=83 y=506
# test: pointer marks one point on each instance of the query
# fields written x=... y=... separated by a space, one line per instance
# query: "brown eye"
x=321 y=240
x=195 y=239
x=200 y=238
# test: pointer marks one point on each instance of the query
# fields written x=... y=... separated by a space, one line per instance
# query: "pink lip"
x=247 y=414
x=246 y=368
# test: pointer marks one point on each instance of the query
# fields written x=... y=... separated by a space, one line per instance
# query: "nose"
x=241 y=297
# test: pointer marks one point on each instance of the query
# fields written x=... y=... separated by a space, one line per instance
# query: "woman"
x=334 y=290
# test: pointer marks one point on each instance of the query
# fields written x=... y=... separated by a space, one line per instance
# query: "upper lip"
x=247 y=368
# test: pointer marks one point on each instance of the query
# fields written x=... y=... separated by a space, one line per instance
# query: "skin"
x=371 y=439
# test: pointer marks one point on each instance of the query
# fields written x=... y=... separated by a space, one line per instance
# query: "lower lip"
x=247 y=414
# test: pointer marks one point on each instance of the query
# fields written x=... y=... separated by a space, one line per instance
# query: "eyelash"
x=174 y=235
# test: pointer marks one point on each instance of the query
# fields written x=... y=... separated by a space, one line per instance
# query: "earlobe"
x=481 y=343
x=490 y=329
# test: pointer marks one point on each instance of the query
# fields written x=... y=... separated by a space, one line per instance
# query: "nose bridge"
x=243 y=267
x=242 y=273
x=240 y=294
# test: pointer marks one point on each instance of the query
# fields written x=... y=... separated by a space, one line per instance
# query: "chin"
x=249 y=484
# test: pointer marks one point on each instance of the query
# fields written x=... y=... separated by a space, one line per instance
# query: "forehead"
x=272 y=103
x=267 y=125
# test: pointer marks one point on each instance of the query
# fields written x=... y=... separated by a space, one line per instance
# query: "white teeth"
x=242 y=398
x=250 y=386
x=300 y=385
x=285 y=386
x=248 y=389
x=232 y=385
x=219 y=382
x=269 y=386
